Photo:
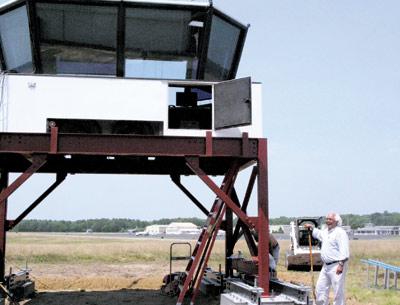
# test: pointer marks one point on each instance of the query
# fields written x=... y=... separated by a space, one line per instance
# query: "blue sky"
x=331 y=96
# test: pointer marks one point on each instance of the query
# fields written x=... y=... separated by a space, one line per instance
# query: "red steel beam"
x=263 y=216
x=133 y=145
x=198 y=171
x=37 y=162
x=3 y=225
x=12 y=223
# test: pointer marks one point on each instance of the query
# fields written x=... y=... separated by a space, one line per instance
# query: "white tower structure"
x=161 y=68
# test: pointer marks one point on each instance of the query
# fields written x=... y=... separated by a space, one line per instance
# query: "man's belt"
x=331 y=263
x=335 y=262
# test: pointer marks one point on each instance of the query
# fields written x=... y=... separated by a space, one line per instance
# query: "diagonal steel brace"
x=37 y=162
x=177 y=180
x=246 y=199
x=192 y=163
x=60 y=178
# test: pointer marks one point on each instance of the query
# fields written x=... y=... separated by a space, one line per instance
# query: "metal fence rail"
x=387 y=269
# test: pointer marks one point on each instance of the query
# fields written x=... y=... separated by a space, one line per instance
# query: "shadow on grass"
x=116 y=297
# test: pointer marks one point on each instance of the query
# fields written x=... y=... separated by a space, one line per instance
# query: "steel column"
x=3 y=225
x=263 y=218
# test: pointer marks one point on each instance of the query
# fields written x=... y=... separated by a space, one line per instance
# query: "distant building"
x=155 y=229
x=182 y=228
x=378 y=230
x=174 y=228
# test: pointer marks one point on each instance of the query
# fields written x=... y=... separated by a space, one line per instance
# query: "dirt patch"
x=120 y=297
x=99 y=276
x=100 y=284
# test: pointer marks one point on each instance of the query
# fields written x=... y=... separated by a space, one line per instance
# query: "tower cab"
x=155 y=67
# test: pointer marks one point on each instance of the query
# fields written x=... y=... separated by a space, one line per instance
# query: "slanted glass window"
x=77 y=39
x=15 y=40
x=222 y=48
x=162 y=43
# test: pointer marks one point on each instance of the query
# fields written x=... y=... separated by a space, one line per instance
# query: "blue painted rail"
x=387 y=269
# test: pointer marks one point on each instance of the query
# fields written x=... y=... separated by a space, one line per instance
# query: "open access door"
x=232 y=103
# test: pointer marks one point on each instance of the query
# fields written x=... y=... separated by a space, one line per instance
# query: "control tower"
x=135 y=87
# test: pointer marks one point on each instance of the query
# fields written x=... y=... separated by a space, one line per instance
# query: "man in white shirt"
x=335 y=255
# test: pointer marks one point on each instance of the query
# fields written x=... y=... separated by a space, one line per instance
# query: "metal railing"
x=387 y=269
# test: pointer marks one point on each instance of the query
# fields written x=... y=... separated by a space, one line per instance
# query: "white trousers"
x=328 y=278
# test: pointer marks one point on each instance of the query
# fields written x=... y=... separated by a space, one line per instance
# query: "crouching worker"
x=274 y=249
x=273 y=254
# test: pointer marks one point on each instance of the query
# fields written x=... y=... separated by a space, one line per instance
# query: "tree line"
x=124 y=224
x=96 y=225
x=355 y=221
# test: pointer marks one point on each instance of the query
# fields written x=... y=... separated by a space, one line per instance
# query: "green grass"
x=42 y=249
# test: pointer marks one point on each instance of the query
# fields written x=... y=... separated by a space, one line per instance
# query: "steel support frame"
x=6 y=191
x=40 y=147
x=246 y=223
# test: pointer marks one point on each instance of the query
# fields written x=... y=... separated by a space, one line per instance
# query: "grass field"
x=67 y=262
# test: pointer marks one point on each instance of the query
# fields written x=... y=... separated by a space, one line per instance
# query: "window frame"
x=121 y=6
x=239 y=46
x=6 y=9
